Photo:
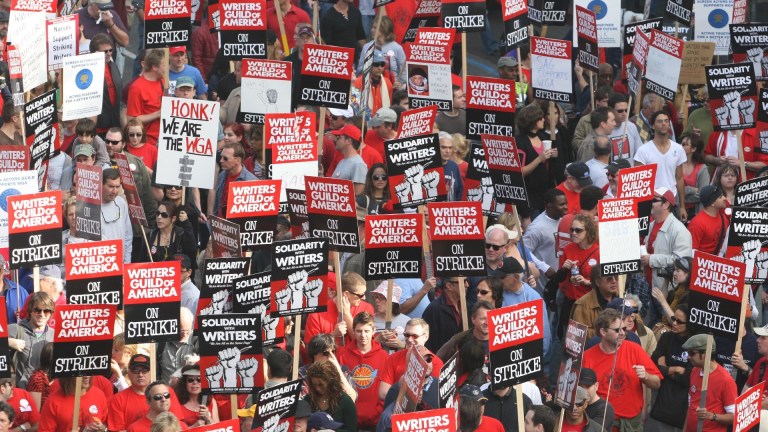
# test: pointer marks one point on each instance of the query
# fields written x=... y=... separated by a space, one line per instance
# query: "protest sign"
x=548 y=12
x=11 y=184
x=516 y=343
x=762 y=123
x=326 y=72
x=427 y=15
x=292 y=141
x=62 y=36
x=266 y=88
x=83 y=82
x=30 y=44
x=230 y=353
x=297 y=210
x=167 y=23
x=586 y=36
x=732 y=96
x=243 y=29
x=463 y=15
x=152 y=302
x=748 y=242
x=490 y=107
x=749 y=42
x=411 y=383
x=252 y=294
x=446 y=383
x=88 y=190
x=696 y=55
x=662 y=64
x=214 y=14
x=418 y=121
x=5 y=355
x=82 y=340
x=620 y=244
x=34 y=228
x=218 y=276
x=276 y=407
x=637 y=182
x=679 y=10
x=299 y=277
x=551 y=69
x=712 y=19
x=636 y=69
x=393 y=246
x=570 y=364
x=189 y=130
x=135 y=209
x=739 y=12
x=254 y=205
x=222 y=426
x=365 y=94
x=629 y=39
x=331 y=208
x=94 y=272
x=458 y=242
x=13 y=158
x=515 y=23
x=429 y=68
x=225 y=238
x=42 y=132
x=752 y=193
x=435 y=420
x=15 y=74
x=747 y=410
x=478 y=184
x=608 y=16
x=506 y=170
x=415 y=170
x=477 y=164
x=716 y=294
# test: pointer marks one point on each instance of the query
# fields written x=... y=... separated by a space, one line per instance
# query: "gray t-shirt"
x=352 y=168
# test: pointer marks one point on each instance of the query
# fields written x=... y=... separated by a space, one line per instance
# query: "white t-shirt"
x=666 y=163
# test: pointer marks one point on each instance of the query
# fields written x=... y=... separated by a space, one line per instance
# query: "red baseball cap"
x=177 y=49
x=350 y=131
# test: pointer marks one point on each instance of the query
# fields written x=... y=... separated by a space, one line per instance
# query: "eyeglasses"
x=360 y=296
x=163 y=215
x=379 y=64
x=675 y=320
x=42 y=311
x=112 y=142
x=379 y=176
x=412 y=335
x=193 y=380
x=621 y=111
x=577 y=230
x=617 y=330
x=108 y=51
x=493 y=246
x=428 y=358
x=693 y=353
x=161 y=396
x=328 y=353
x=173 y=187
x=135 y=134
x=483 y=292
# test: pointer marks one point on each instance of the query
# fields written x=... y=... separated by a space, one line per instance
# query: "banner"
x=712 y=19
x=419 y=121
x=570 y=364
x=551 y=69
x=662 y=65
x=586 y=36
x=393 y=246
x=732 y=96
x=548 y=12
x=617 y=228
x=636 y=69
x=13 y=158
x=326 y=72
x=266 y=88
x=463 y=15
x=458 y=242
x=716 y=292
x=42 y=133
x=411 y=383
x=230 y=353
x=254 y=205
x=292 y=141
x=506 y=170
x=446 y=383
x=243 y=29
x=680 y=11
x=629 y=40
x=490 y=107
x=637 y=182
x=62 y=37
x=276 y=407
x=429 y=69
x=34 y=229
x=167 y=23
x=331 y=208
x=299 y=277
x=748 y=407
x=219 y=275
x=189 y=131
x=436 y=420
x=225 y=238
x=6 y=359
x=415 y=170
x=297 y=210
x=752 y=193
x=82 y=340
x=427 y=15
x=135 y=209
x=152 y=302
x=748 y=242
x=516 y=343
x=94 y=272
x=88 y=190
x=696 y=56
x=515 y=23
x=13 y=183
x=252 y=294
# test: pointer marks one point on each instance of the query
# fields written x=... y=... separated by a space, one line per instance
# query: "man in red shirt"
x=382 y=127
x=717 y=414
x=27 y=415
x=145 y=94
x=381 y=86
x=416 y=334
x=158 y=397
x=576 y=178
x=710 y=226
x=292 y=15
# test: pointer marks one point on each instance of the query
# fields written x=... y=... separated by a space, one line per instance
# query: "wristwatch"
x=23 y=429
x=714 y=417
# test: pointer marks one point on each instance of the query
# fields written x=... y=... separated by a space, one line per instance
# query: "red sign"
x=636 y=182
x=242 y=15
x=717 y=276
x=330 y=196
x=493 y=94
x=267 y=69
x=84 y=323
x=455 y=220
x=256 y=198
x=616 y=209
x=36 y=212
x=328 y=61
x=87 y=260
x=391 y=231
x=147 y=283
x=417 y=121
x=748 y=405
x=437 y=420
x=14 y=158
x=166 y=9
x=135 y=209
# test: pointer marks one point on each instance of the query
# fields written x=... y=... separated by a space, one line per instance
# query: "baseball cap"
x=397 y=292
x=346 y=113
x=617 y=165
x=184 y=259
x=473 y=392
x=581 y=395
x=103 y=5
x=580 y=171
x=177 y=49
x=303 y=409
x=378 y=57
x=348 y=130
x=621 y=304
x=383 y=115
x=322 y=420
x=698 y=343
x=84 y=150
x=508 y=266
x=306 y=30
x=49 y=271
x=709 y=194
x=139 y=361
x=506 y=61
x=588 y=377
x=665 y=194
x=762 y=331
x=185 y=81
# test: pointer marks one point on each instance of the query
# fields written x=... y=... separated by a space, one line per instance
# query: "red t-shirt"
x=97 y=381
x=707 y=230
x=721 y=393
x=325 y=322
x=56 y=415
x=395 y=367
x=145 y=97
x=574 y=428
x=489 y=424
x=147 y=154
x=574 y=206
x=39 y=383
x=586 y=259
x=144 y=424
x=365 y=370
x=24 y=407
x=373 y=140
x=128 y=406
x=295 y=15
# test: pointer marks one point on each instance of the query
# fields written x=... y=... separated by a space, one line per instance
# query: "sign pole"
x=316 y=17
x=552 y=121
x=592 y=89
x=320 y=129
x=562 y=418
x=742 y=317
x=388 y=315
x=76 y=412
x=36 y=277
x=152 y=357
x=520 y=408
x=281 y=23
x=464 y=60
x=425 y=243
x=742 y=165
x=705 y=381
x=296 y=344
x=233 y=405
x=339 y=301
x=463 y=302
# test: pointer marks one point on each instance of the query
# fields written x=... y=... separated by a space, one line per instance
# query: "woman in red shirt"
x=189 y=391
x=576 y=264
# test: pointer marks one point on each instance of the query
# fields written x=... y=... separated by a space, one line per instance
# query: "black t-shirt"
x=344 y=32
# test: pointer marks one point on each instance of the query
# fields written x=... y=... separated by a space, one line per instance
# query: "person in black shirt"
x=342 y=25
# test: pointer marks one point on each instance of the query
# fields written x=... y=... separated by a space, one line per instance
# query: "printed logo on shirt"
x=24 y=406
x=364 y=376
x=592 y=262
x=93 y=409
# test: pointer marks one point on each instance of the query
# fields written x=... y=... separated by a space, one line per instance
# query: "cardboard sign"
x=218 y=276
x=446 y=383
x=83 y=86
x=506 y=170
x=94 y=272
x=326 y=72
x=152 y=302
x=62 y=34
x=34 y=229
x=570 y=364
x=637 y=182
x=167 y=23
x=679 y=10
x=225 y=238
x=418 y=121
x=608 y=15
x=636 y=71
x=696 y=56
x=254 y=205
x=739 y=12
x=732 y=96
x=135 y=209
x=586 y=31
x=551 y=69
x=712 y=19
x=393 y=246
x=747 y=242
x=516 y=343
x=88 y=190
x=663 y=64
x=252 y=294
x=427 y=15
x=189 y=130
x=292 y=140
x=490 y=107
x=548 y=12
x=5 y=355
x=749 y=42
x=411 y=383
x=332 y=214
x=299 y=277
x=230 y=353
x=266 y=88
x=31 y=44
x=464 y=15
x=458 y=242
x=14 y=158
x=436 y=420
x=629 y=39
x=297 y=210
x=752 y=193
x=748 y=406
x=243 y=29
x=429 y=69
x=82 y=340
x=515 y=23
x=716 y=292
x=42 y=132
x=13 y=183
x=276 y=407
x=620 y=244
x=415 y=170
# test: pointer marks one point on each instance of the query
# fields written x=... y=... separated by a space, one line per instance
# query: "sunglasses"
x=411 y=335
x=135 y=134
x=621 y=111
x=163 y=215
x=360 y=296
x=42 y=311
x=577 y=230
x=328 y=353
x=112 y=142
x=173 y=187
x=225 y=158
x=193 y=380
x=161 y=396
x=483 y=292
x=334 y=117
x=580 y=404
x=493 y=246
x=379 y=64
x=617 y=330
x=379 y=176
x=675 y=320
x=108 y=51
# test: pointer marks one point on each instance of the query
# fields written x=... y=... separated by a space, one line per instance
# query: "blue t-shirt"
x=189 y=71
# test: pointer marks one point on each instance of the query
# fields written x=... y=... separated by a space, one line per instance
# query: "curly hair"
x=326 y=371
x=589 y=226
x=181 y=385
